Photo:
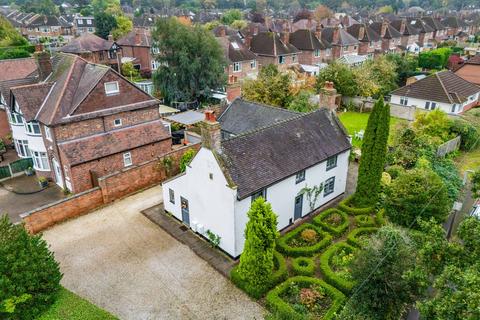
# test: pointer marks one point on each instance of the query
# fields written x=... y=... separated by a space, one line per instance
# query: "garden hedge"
x=330 y=276
x=352 y=236
x=283 y=247
x=336 y=231
x=364 y=220
x=280 y=274
x=283 y=311
x=345 y=205
x=303 y=266
x=380 y=218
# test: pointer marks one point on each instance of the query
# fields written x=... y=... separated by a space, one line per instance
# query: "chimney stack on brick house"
x=336 y=35
x=361 y=32
x=402 y=26
x=211 y=132
x=248 y=40
x=383 y=30
x=318 y=31
x=110 y=37
x=285 y=36
x=138 y=38
x=222 y=31
x=328 y=96
x=43 y=61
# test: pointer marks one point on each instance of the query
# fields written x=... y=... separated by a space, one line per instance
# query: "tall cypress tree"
x=374 y=152
x=256 y=261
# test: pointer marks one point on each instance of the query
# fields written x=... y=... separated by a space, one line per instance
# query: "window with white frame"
x=40 y=161
x=48 y=133
x=294 y=58
x=171 y=195
x=111 y=88
x=329 y=186
x=261 y=193
x=33 y=128
x=22 y=148
x=237 y=66
x=281 y=59
x=127 y=159
x=316 y=53
x=454 y=108
x=253 y=64
x=89 y=21
x=15 y=118
x=403 y=101
x=331 y=162
x=117 y=122
x=80 y=21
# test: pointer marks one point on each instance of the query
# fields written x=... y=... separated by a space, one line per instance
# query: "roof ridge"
x=443 y=86
x=57 y=103
x=270 y=125
x=266 y=105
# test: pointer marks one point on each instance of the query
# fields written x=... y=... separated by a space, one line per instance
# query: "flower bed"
x=305 y=298
x=358 y=236
x=333 y=220
x=335 y=266
x=280 y=273
x=346 y=206
x=364 y=221
x=303 y=266
x=306 y=240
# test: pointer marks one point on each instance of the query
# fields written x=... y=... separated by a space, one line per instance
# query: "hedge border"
x=369 y=223
x=279 y=275
x=330 y=276
x=307 y=270
x=352 y=236
x=283 y=311
x=345 y=206
x=380 y=217
x=283 y=247
x=336 y=231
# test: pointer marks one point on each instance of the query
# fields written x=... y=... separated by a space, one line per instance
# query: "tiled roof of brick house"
x=454 y=22
x=136 y=37
x=306 y=40
x=368 y=35
x=269 y=43
x=443 y=86
x=235 y=50
x=390 y=32
x=31 y=97
x=260 y=158
x=12 y=69
x=87 y=42
x=94 y=147
x=344 y=38
x=421 y=25
x=434 y=23
x=409 y=28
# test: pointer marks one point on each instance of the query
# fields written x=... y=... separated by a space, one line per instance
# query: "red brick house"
x=390 y=36
x=136 y=47
x=439 y=30
x=340 y=40
x=409 y=34
x=273 y=48
x=84 y=121
x=312 y=50
x=470 y=70
x=369 y=41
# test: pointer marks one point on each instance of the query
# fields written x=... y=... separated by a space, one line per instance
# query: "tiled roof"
x=369 y=34
x=42 y=20
x=94 y=147
x=474 y=60
x=235 y=50
x=443 y=86
x=5 y=86
x=130 y=39
x=421 y=25
x=390 y=31
x=306 y=40
x=344 y=38
x=12 y=69
x=261 y=158
x=454 y=22
x=269 y=43
x=242 y=116
x=409 y=29
x=87 y=42
x=30 y=98
x=303 y=24
x=434 y=23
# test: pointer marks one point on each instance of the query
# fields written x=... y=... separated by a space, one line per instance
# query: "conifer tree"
x=374 y=152
x=256 y=261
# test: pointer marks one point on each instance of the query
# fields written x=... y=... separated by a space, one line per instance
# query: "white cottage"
x=255 y=150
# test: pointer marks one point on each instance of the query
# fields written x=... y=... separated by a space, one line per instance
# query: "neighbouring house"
x=83 y=121
x=443 y=90
x=136 y=47
x=313 y=52
x=439 y=30
x=370 y=42
x=470 y=70
x=36 y=26
x=342 y=42
x=95 y=49
x=14 y=72
x=253 y=151
x=456 y=27
x=425 y=33
x=390 y=36
x=272 y=48
x=241 y=62
x=144 y=21
x=84 y=25
x=409 y=35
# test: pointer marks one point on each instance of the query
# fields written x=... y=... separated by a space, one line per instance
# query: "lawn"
x=468 y=160
x=72 y=307
x=356 y=121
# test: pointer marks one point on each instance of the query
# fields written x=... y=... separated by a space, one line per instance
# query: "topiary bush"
x=279 y=274
x=303 y=266
x=356 y=237
x=364 y=221
x=309 y=235
x=285 y=309
x=29 y=275
x=340 y=279
x=333 y=220
x=346 y=206
x=293 y=245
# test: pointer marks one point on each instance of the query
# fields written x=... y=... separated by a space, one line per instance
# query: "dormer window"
x=111 y=88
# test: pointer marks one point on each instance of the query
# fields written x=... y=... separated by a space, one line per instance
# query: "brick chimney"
x=44 y=62
x=336 y=35
x=248 y=40
x=361 y=32
x=402 y=26
x=138 y=38
x=318 y=31
x=285 y=36
x=211 y=132
x=222 y=31
x=383 y=30
x=328 y=96
x=309 y=23
x=110 y=37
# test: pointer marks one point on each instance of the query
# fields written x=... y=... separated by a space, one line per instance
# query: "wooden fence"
x=449 y=146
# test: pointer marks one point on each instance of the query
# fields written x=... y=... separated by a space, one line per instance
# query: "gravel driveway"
x=122 y=262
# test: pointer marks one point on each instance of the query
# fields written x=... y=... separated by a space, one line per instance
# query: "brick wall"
x=131 y=118
x=142 y=55
x=111 y=187
x=78 y=129
x=4 y=126
x=81 y=175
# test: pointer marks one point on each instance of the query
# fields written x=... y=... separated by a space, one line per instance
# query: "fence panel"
x=5 y=172
x=21 y=165
x=449 y=146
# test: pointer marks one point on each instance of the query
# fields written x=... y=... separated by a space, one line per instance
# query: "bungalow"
x=253 y=151
x=443 y=90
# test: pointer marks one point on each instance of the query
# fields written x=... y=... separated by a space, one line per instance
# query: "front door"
x=185 y=213
x=58 y=173
x=298 y=207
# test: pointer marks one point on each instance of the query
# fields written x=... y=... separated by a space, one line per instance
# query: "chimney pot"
x=110 y=37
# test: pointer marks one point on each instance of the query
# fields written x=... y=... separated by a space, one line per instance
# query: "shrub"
x=354 y=239
x=395 y=171
x=309 y=235
x=346 y=206
x=322 y=221
x=330 y=275
x=380 y=218
x=186 y=159
x=469 y=134
x=279 y=274
x=283 y=311
x=29 y=275
x=303 y=266
x=364 y=221
x=284 y=247
x=14 y=54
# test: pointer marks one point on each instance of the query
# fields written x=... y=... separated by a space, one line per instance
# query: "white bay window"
x=40 y=161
